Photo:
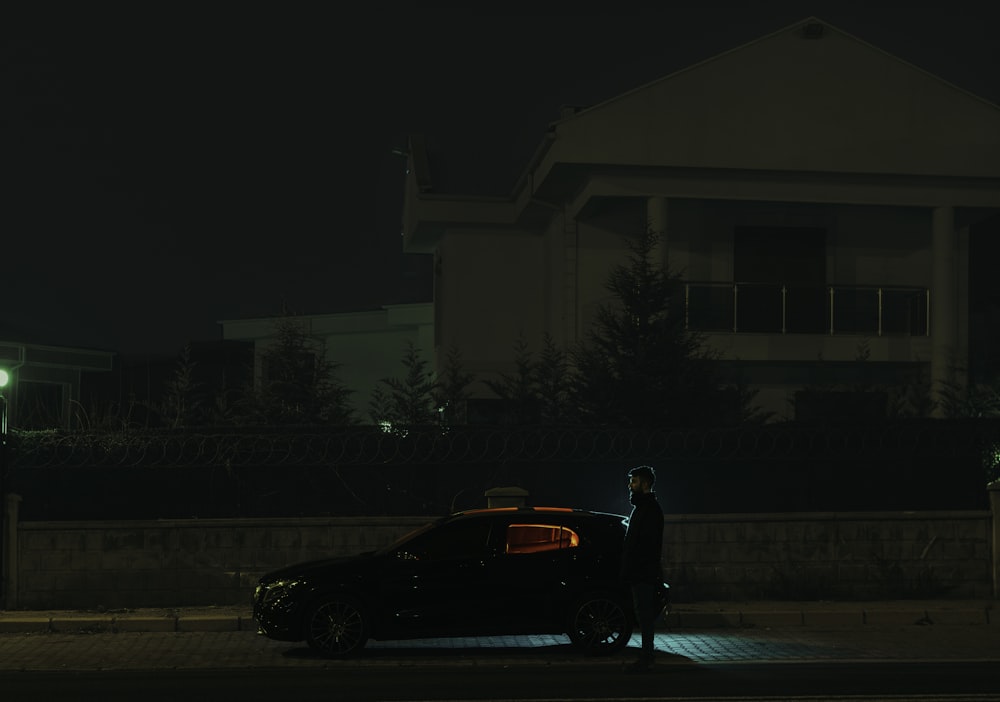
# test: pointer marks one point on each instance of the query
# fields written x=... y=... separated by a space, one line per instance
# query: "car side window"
x=456 y=541
x=538 y=538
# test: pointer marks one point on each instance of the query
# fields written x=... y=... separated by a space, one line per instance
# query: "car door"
x=534 y=571
x=436 y=583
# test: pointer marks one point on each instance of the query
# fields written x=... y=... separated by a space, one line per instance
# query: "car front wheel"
x=600 y=625
x=337 y=627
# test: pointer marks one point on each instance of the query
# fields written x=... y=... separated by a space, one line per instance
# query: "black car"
x=516 y=570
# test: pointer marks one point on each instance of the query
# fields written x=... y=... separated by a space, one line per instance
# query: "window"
x=458 y=541
x=537 y=538
x=781 y=274
x=40 y=405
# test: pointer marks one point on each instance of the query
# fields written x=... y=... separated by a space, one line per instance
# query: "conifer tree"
x=518 y=391
x=639 y=366
x=408 y=401
x=182 y=402
x=452 y=391
x=300 y=384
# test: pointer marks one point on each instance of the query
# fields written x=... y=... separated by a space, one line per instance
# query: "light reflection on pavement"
x=200 y=650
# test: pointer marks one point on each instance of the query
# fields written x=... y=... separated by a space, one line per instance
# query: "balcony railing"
x=788 y=309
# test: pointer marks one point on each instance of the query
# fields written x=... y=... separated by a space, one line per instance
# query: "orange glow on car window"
x=538 y=538
x=553 y=509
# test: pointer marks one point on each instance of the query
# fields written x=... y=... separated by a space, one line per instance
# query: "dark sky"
x=165 y=172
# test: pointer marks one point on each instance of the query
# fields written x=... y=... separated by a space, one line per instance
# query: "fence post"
x=9 y=567
x=994 y=489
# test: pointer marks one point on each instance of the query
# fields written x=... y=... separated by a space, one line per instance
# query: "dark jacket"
x=643 y=541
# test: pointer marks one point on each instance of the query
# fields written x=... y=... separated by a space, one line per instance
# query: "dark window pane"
x=758 y=308
x=710 y=307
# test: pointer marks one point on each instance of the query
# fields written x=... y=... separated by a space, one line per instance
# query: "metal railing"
x=789 y=309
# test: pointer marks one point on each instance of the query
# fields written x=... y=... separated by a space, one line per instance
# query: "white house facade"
x=815 y=194
x=367 y=346
x=43 y=384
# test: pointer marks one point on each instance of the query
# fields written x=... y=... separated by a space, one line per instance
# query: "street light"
x=4 y=379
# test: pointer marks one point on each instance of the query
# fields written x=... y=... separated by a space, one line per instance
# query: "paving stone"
x=209 y=623
x=24 y=625
x=700 y=620
x=881 y=617
x=88 y=625
x=826 y=619
x=770 y=619
x=157 y=624
x=958 y=616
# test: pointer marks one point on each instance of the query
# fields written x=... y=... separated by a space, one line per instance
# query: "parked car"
x=517 y=570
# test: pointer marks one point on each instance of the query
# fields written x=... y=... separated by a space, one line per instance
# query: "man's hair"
x=644 y=473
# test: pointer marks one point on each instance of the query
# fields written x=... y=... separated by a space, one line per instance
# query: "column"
x=656 y=221
x=944 y=304
x=10 y=568
x=571 y=280
x=994 y=490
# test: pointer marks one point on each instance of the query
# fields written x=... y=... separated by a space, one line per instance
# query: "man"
x=641 y=567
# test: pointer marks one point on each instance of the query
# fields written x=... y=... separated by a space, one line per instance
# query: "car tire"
x=337 y=626
x=600 y=624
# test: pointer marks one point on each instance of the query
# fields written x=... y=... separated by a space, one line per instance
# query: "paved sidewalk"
x=706 y=633
x=703 y=615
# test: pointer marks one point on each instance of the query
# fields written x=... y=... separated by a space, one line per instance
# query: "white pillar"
x=944 y=303
x=10 y=566
x=994 y=491
x=656 y=221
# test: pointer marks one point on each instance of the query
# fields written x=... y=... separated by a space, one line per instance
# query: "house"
x=44 y=381
x=366 y=345
x=816 y=194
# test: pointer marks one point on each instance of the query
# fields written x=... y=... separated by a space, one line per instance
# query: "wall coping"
x=829 y=516
x=194 y=523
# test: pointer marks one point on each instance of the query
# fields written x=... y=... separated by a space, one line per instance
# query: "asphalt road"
x=814 y=682
x=188 y=659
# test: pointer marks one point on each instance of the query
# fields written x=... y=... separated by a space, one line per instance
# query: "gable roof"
x=808 y=97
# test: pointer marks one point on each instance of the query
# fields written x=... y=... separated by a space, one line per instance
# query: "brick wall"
x=115 y=565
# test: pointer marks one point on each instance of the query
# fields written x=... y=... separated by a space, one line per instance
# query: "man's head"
x=641 y=479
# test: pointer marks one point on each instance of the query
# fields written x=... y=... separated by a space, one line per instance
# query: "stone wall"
x=829 y=556
x=116 y=565
x=131 y=564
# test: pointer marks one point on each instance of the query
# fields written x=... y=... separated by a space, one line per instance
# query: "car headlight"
x=268 y=593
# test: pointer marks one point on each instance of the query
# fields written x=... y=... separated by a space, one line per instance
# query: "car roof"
x=535 y=511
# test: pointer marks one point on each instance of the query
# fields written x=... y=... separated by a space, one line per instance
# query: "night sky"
x=166 y=172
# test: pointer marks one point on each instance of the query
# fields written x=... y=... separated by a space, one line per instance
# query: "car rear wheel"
x=600 y=625
x=337 y=627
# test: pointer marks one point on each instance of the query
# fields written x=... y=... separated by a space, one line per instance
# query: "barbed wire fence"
x=311 y=447
x=355 y=470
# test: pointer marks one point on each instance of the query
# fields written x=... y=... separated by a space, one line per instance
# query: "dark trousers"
x=645 y=606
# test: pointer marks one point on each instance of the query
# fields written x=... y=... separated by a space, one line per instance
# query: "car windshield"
x=409 y=536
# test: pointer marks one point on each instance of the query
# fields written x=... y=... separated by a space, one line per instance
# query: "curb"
x=81 y=624
x=722 y=618
x=828 y=618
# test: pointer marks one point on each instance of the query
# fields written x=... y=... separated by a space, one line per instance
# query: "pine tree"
x=409 y=401
x=300 y=385
x=452 y=392
x=182 y=402
x=518 y=391
x=552 y=384
x=639 y=365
